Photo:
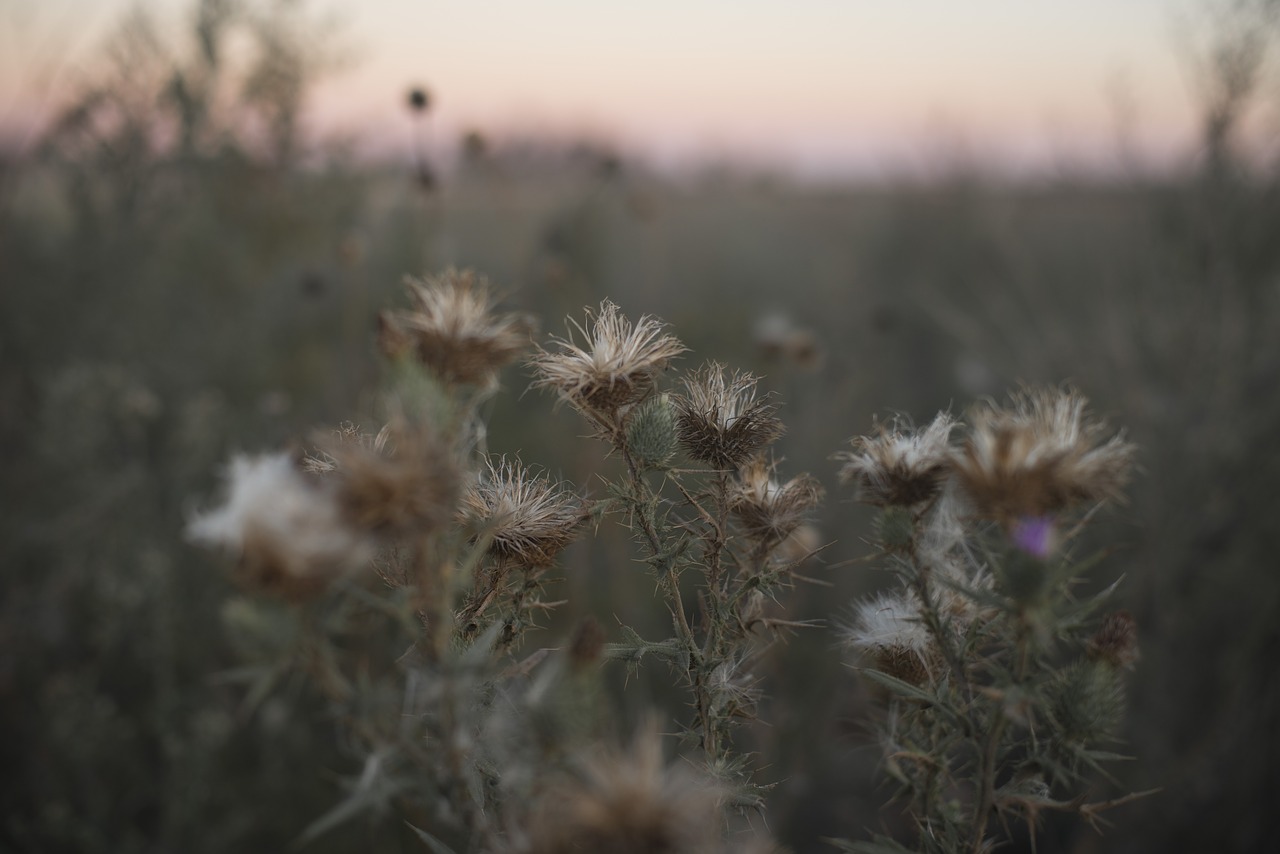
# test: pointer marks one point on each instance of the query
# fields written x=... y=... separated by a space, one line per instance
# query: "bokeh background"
x=882 y=208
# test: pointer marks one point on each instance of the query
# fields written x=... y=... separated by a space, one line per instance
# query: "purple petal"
x=1034 y=535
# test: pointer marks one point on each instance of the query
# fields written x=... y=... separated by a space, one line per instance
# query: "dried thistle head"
x=628 y=803
x=1115 y=641
x=721 y=420
x=897 y=467
x=888 y=630
x=530 y=518
x=616 y=366
x=770 y=512
x=1039 y=456
x=405 y=481
x=348 y=433
x=289 y=534
x=451 y=327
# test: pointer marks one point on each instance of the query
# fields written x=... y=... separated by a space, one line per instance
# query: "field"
x=164 y=308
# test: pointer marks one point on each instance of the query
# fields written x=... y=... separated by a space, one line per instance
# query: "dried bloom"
x=616 y=366
x=402 y=483
x=290 y=535
x=347 y=433
x=529 y=518
x=768 y=511
x=721 y=420
x=1039 y=456
x=897 y=468
x=453 y=330
x=629 y=803
x=890 y=632
x=1115 y=641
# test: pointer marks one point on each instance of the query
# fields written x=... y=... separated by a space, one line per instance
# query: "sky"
x=813 y=87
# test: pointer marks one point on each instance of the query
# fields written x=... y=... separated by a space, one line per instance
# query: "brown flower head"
x=402 y=482
x=768 y=511
x=1039 y=456
x=453 y=330
x=530 y=519
x=899 y=468
x=629 y=803
x=616 y=366
x=721 y=420
x=289 y=534
x=1115 y=641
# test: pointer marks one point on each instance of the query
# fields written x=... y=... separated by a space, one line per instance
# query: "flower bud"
x=651 y=433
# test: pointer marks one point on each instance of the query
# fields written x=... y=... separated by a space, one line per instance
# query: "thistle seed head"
x=899 y=467
x=290 y=535
x=629 y=803
x=1039 y=456
x=451 y=328
x=530 y=518
x=615 y=367
x=888 y=631
x=722 y=421
x=403 y=482
x=770 y=512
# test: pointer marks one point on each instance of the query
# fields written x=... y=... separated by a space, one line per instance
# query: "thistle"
x=722 y=420
x=528 y=519
x=453 y=330
x=890 y=633
x=966 y=652
x=899 y=468
x=1039 y=456
x=770 y=512
x=615 y=367
x=290 y=535
x=405 y=482
x=629 y=802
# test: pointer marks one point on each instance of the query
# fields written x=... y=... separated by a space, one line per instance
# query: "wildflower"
x=1116 y=641
x=898 y=468
x=452 y=329
x=629 y=803
x=402 y=482
x=290 y=535
x=1039 y=457
x=530 y=519
x=770 y=512
x=617 y=365
x=721 y=420
x=891 y=633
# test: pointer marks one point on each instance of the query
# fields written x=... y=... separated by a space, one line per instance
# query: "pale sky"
x=807 y=86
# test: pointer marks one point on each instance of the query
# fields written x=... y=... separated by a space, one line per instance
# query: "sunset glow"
x=817 y=86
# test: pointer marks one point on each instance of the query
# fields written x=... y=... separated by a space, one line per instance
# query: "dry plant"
x=411 y=562
x=399 y=570
x=1001 y=684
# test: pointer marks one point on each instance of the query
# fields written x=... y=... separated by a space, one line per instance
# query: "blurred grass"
x=161 y=307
